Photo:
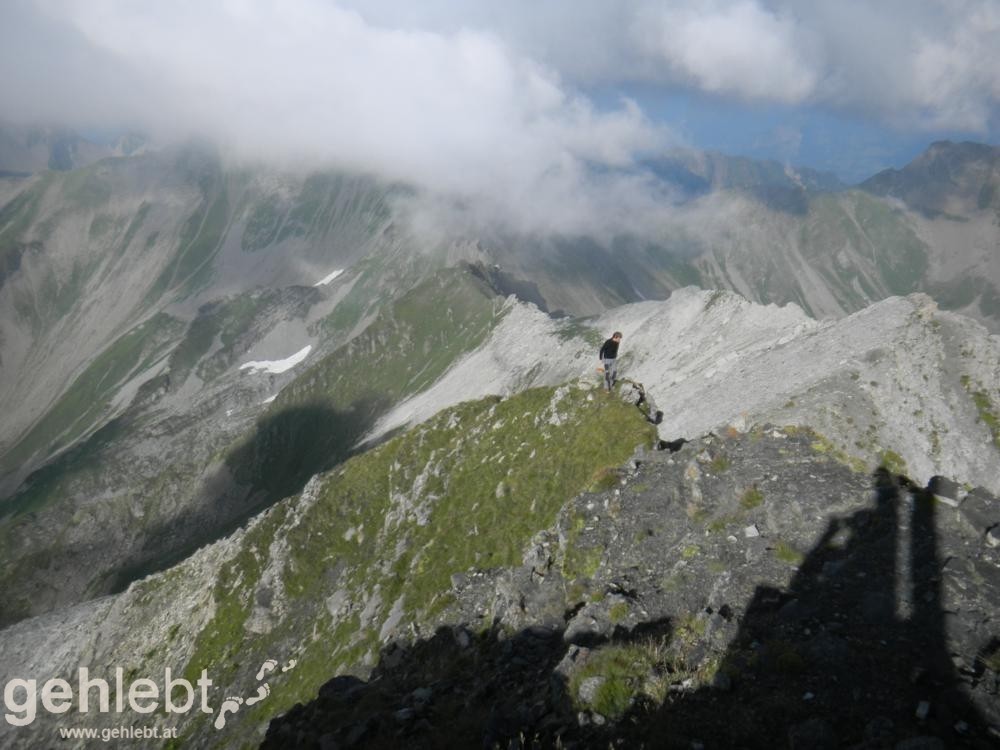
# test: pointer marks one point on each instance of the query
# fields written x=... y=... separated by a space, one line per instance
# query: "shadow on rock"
x=290 y=446
x=455 y=690
x=853 y=654
x=861 y=650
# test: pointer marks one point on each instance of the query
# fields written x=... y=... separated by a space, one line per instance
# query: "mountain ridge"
x=273 y=332
x=633 y=552
x=710 y=359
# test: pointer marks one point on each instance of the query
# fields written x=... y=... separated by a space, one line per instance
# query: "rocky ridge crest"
x=747 y=590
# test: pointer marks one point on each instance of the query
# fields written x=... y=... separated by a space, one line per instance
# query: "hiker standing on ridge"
x=609 y=358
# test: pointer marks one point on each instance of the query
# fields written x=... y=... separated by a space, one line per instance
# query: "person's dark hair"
x=616 y=335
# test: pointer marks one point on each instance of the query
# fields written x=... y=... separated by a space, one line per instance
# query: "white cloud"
x=313 y=83
x=916 y=64
x=955 y=78
x=480 y=102
x=730 y=48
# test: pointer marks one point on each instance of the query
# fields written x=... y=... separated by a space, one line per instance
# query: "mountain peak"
x=947 y=179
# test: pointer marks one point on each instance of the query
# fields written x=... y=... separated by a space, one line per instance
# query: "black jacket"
x=609 y=350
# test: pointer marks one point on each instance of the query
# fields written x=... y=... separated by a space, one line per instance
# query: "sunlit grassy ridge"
x=373 y=545
x=316 y=420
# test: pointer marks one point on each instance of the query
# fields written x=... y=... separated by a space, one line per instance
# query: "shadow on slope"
x=285 y=450
x=854 y=653
x=290 y=446
x=455 y=689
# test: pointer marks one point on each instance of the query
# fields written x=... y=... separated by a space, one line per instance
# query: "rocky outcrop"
x=464 y=592
x=747 y=590
x=900 y=379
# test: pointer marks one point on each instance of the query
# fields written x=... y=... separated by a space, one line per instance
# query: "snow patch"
x=278 y=366
x=327 y=279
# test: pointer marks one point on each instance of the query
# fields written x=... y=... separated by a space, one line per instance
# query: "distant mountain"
x=25 y=149
x=700 y=172
x=951 y=180
x=513 y=502
x=171 y=326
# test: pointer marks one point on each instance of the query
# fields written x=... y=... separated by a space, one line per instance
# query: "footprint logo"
x=232 y=704
x=267 y=666
x=229 y=706
x=262 y=692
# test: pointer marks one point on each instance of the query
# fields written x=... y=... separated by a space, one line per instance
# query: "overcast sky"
x=471 y=98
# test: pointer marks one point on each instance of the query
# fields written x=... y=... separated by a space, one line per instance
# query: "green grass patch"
x=604 y=479
x=578 y=561
x=751 y=498
x=989 y=415
x=719 y=524
x=822 y=444
x=218 y=647
x=618 y=612
x=787 y=553
x=893 y=463
x=578 y=328
x=625 y=672
x=690 y=628
x=719 y=464
x=400 y=519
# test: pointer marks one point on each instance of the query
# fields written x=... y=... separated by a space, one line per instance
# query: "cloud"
x=735 y=48
x=483 y=104
x=914 y=64
x=457 y=112
x=955 y=78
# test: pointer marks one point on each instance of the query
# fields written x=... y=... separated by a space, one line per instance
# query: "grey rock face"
x=900 y=379
x=865 y=599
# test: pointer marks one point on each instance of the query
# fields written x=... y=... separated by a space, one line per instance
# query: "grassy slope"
x=311 y=427
x=862 y=248
x=86 y=401
x=315 y=421
x=322 y=203
x=113 y=237
x=467 y=489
